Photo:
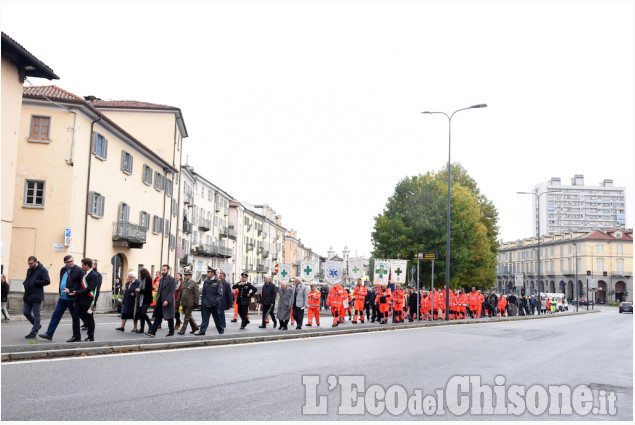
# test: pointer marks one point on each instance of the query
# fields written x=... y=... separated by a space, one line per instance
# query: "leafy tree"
x=414 y=220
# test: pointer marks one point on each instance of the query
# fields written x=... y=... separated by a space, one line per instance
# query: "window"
x=126 y=162
x=172 y=242
x=34 y=193
x=159 y=181
x=147 y=174
x=124 y=212
x=168 y=187
x=144 y=220
x=600 y=266
x=166 y=232
x=96 y=203
x=620 y=248
x=157 y=225
x=175 y=207
x=40 y=129
x=620 y=267
x=100 y=146
x=600 y=248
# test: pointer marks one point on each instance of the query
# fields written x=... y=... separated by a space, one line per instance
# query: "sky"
x=314 y=108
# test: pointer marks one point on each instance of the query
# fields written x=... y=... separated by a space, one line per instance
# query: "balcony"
x=231 y=232
x=187 y=227
x=225 y=211
x=265 y=253
x=260 y=268
x=188 y=199
x=249 y=246
x=128 y=235
x=205 y=224
x=217 y=207
x=204 y=250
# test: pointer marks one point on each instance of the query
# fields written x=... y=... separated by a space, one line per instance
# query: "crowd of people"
x=172 y=297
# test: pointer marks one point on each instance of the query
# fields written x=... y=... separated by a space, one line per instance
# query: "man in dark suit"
x=37 y=277
x=164 y=308
x=227 y=298
x=84 y=300
x=268 y=301
x=245 y=291
x=70 y=277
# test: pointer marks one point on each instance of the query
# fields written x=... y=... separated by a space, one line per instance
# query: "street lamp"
x=447 y=262
x=537 y=233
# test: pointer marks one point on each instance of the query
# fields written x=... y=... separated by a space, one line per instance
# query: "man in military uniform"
x=245 y=291
x=188 y=298
x=211 y=297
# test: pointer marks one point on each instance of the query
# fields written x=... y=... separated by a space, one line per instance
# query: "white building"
x=561 y=208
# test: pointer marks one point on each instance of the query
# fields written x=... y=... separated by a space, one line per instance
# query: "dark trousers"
x=83 y=312
x=205 y=312
x=158 y=318
x=243 y=312
x=221 y=313
x=60 y=308
x=298 y=316
x=34 y=318
x=142 y=315
x=375 y=315
x=266 y=312
x=323 y=302
x=367 y=308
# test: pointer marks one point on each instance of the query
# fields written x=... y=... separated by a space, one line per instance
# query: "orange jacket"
x=425 y=302
x=360 y=292
x=473 y=299
x=398 y=298
x=502 y=302
x=314 y=298
x=336 y=296
x=382 y=293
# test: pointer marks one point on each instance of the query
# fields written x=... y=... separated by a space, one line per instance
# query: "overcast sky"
x=315 y=108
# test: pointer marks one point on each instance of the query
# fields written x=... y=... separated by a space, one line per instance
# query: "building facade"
x=559 y=208
x=85 y=186
x=565 y=258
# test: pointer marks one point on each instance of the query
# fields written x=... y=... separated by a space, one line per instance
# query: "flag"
x=381 y=270
x=308 y=270
x=398 y=271
x=355 y=268
x=284 y=272
x=333 y=271
x=228 y=269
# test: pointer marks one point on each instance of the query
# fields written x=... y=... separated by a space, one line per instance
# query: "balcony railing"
x=204 y=224
x=188 y=199
x=133 y=234
x=265 y=253
x=231 y=233
x=260 y=268
x=187 y=227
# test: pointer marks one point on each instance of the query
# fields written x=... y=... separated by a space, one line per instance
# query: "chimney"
x=578 y=180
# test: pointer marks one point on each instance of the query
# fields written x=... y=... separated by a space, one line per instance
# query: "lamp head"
x=480 y=105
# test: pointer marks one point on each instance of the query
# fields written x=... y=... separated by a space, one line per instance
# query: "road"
x=264 y=381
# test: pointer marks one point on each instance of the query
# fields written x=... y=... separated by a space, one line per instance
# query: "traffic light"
x=588 y=272
x=604 y=274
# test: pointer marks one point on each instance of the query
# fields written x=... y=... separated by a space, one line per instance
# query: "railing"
x=189 y=199
x=125 y=231
x=187 y=227
x=204 y=224
x=260 y=268
x=265 y=253
x=231 y=233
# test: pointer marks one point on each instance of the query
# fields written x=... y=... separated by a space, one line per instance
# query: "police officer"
x=245 y=292
x=211 y=297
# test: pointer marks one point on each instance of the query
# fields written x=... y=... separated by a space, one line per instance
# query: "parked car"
x=626 y=306
x=584 y=301
x=563 y=305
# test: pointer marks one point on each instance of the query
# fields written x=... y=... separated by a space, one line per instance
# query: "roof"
x=134 y=104
x=57 y=94
x=28 y=65
x=627 y=235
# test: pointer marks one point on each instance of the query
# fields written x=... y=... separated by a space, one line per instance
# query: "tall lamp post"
x=537 y=233
x=447 y=259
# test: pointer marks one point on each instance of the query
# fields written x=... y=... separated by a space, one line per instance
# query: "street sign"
x=518 y=277
x=67 y=236
x=427 y=256
x=275 y=269
x=593 y=284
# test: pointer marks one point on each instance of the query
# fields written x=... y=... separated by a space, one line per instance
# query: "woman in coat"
x=284 y=305
x=145 y=299
x=128 y=305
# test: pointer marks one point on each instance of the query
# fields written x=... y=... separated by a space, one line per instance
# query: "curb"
x=219 y=340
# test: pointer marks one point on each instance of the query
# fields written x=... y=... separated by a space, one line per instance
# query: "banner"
x=355 y=268
x=381 y=271
x=398 y=271
x=228 y=269
x=333 y=271
x=285 y=271
x=308 y=269
x=519 y=280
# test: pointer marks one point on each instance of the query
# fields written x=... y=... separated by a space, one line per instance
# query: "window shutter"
x=105 y=148
x=94 y=142
x=131 y=159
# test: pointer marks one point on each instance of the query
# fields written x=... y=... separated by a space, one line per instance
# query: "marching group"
x=171 y=297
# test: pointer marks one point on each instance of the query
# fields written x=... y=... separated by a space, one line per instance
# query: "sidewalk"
x=110 y=341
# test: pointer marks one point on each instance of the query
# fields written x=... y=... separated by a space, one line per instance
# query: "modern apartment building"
x=560 y=208
x=565 y=258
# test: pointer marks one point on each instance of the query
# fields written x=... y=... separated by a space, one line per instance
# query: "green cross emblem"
x=355 y=269
x=398 y=271
x=284 y=273
x=380 y=271
x=308 y=270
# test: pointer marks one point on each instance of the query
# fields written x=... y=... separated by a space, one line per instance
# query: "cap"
x=188 y=272
x=210 y=269
x=243 y=274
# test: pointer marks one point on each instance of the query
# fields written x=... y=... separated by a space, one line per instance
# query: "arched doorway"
x=569 y=294
x=118 y=267
x=552 y=287
x=531 y=287
x=580 y=293
x=600 y=295
x=620 y=290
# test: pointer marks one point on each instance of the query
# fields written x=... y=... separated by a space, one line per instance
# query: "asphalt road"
x=264 y=381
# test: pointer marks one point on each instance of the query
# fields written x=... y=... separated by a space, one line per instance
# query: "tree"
x=414 y=220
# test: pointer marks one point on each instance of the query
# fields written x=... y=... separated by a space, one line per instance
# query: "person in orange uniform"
x=349 y=303
x=335 y=301
x=399 y=300
x=481 y=300
x=235 y=319
x=383 y=301
x=474 y=302
x=453 y=313
x=462 y=303
x=314 y=305
x=359 y=292
x=502 y=303
x=155 y=285
x=435 y=304
x=424 y=305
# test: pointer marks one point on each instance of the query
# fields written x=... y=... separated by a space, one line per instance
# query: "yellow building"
x=80 y=172
x=565 y=258
x=17 y=64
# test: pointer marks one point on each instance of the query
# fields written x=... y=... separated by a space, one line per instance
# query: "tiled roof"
x=129 y=104
x=28 y=64
x=599 y=235
x=57 y=94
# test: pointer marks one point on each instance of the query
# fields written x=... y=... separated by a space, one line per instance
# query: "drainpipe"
x=69 y=161
x=90 y=157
